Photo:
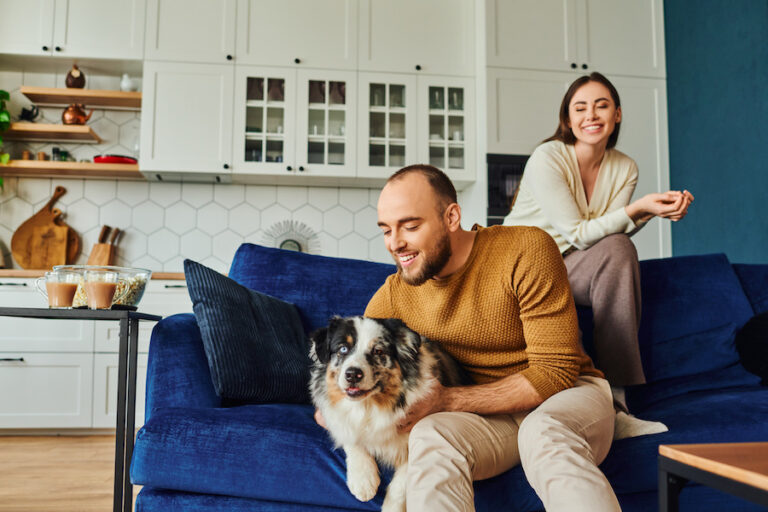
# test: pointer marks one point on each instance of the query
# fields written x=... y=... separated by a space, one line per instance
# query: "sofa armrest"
x=177 y=370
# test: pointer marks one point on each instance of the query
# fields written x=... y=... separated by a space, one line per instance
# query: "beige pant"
x=559 y=444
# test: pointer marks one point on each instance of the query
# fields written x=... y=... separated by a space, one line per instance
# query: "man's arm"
x=509 y=395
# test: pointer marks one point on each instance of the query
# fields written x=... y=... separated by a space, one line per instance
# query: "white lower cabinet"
x=105 y=390
x=62 y=374
x=45 y=390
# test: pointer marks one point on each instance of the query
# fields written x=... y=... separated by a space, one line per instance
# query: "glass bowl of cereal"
x=130 y=286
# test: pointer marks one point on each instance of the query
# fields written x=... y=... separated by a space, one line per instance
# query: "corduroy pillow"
x=255 y=344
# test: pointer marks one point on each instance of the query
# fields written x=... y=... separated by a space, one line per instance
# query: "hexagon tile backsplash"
x=164 y=223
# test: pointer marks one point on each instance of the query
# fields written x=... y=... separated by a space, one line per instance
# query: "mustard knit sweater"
x=508 y=310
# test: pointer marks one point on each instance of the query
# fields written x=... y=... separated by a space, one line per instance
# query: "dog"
x=365 y=374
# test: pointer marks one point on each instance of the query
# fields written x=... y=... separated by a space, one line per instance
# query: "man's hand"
x=319 y=419
x=434 y=402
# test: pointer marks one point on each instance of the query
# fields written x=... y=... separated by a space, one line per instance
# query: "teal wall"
x=717 y=92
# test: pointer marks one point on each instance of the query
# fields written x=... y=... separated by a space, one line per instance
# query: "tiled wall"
x=167 y=222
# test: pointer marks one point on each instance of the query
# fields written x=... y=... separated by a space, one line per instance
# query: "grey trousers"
x=606 y=277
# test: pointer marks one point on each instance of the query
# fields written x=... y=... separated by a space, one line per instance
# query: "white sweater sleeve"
x=548 y=184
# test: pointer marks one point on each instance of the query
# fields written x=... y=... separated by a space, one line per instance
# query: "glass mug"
x=60 y=288
x=100 y=287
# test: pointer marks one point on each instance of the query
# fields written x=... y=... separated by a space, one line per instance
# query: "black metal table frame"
x=673 y=475
x=126 y=384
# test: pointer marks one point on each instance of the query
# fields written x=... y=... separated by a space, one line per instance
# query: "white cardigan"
x=552 y=196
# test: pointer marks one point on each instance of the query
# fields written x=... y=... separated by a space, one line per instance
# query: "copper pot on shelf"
x=75 y=114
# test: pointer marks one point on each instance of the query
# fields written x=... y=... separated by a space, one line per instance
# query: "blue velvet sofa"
x=196 y=454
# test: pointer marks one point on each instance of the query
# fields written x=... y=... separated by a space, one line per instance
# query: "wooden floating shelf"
x=93 y=98
x=52 y=133
x=54 y=169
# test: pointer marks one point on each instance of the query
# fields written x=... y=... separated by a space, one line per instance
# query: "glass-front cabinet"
x=387 y=140
x=326 y=123
x=445 y=112
x=294 y=122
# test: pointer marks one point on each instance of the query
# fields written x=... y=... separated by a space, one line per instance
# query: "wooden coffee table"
x=740 y=469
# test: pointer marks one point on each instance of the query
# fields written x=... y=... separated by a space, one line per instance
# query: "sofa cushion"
x=722 y=416
x=754 y=279
x=256 y=348
x=692 y=307
x=319 y=286
x=752 y=345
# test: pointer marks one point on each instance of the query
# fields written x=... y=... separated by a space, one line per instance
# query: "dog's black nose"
x=353 y=375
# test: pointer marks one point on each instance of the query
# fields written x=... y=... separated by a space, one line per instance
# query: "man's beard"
x=431 y=266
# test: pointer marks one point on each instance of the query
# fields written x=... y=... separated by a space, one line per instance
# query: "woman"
x=577 y=187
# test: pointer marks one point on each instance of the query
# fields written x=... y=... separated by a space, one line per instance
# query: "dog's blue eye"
x=343 y=349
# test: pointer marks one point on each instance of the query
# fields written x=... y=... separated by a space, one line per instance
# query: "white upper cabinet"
x=304 y=32
x=405 y=36
x=26 y=27
x=109 y=29
x=616 y=37
x=447 y=126
x=186 y=122
x=388 y=109
x=191 y=31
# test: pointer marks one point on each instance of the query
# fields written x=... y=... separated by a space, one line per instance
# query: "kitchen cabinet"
x=388 y=136
x=429 y=36
x=447 y=126
x=613 y=37
x=294 y=123
x=306 y=33
x=106 y=29
x=60 y=374
x=523 y=110
x=197 y=31
x=408 y=119
x=186 y=122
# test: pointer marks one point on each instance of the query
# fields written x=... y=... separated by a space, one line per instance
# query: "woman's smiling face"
x=592 y=114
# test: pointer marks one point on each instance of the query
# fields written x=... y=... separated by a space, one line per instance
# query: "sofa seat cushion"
x=275 y=453
x=754 y=279
x=721 y=416
x=319 y=286
x=178 y=501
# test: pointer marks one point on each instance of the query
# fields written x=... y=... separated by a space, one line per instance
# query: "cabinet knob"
x=418 y=67
x=45 y=48
x=58 y=48
x=289 y=168
x=229 y=57
x=584 y=66
x=13 y=359
x=226 y=166
x=573 y=65
x=297 y=60
x=301 y=168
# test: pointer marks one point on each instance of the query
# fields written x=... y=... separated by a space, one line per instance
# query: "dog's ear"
x=407 y=341
x=321 y=345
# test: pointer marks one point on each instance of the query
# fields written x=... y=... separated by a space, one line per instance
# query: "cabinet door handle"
x=573 y=65
x=584 y=66
x=229 y=57
x=226 y=166
x=418 y=67
x=289 y=168
x=12 y=360
x=45 y=48
x=13 y=284
x=58 y=48
x=175 y=286
x=297 y=60
x=301 y=168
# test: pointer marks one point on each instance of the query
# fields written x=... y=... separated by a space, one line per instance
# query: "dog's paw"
x=363 y=484
x=393 y=503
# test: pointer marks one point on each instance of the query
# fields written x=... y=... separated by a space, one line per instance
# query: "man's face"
x=415 y=229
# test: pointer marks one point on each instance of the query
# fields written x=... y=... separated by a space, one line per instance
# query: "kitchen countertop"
x=13 y=272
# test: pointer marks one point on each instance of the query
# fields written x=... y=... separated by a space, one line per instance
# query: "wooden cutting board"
x=26 y=238
x=48 y=246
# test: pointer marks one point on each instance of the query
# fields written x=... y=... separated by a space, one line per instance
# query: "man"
x=498 y=300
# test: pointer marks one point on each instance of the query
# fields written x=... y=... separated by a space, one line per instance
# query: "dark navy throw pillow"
x=255 y=344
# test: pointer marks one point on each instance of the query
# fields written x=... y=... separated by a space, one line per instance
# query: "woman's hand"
x=672 y=205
